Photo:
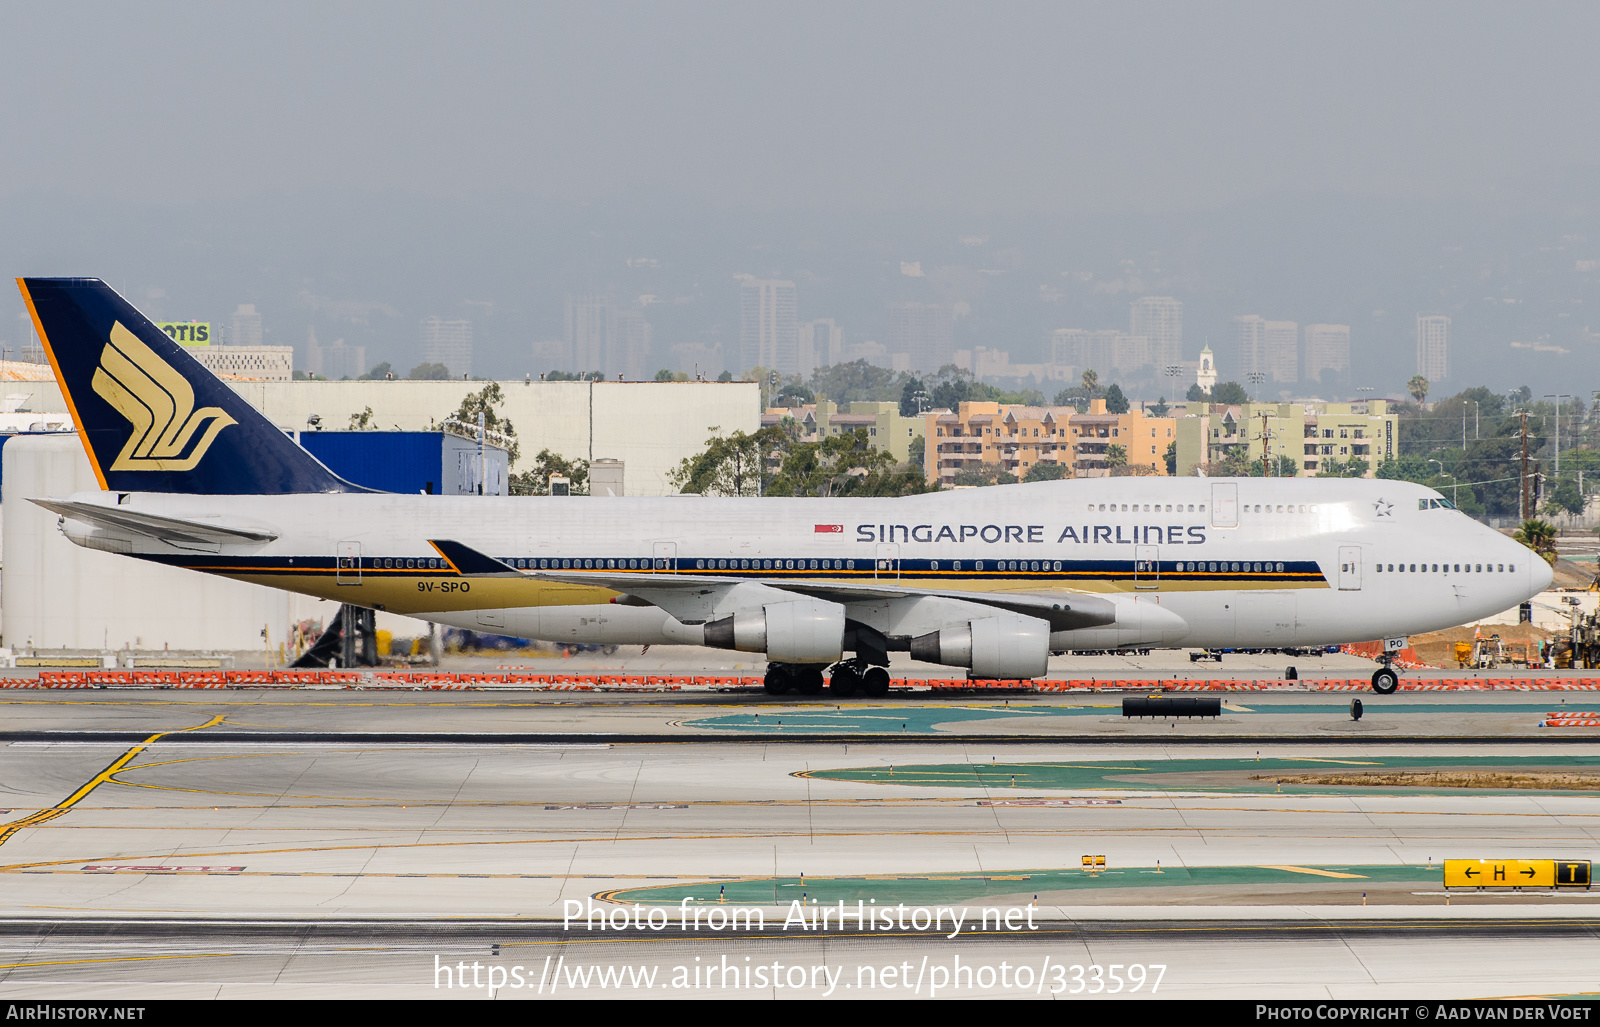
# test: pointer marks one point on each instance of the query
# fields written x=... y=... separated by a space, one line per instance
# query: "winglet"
x=468 y=562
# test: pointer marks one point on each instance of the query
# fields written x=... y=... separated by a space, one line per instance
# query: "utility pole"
x=1524 y=465
x=1266 y=468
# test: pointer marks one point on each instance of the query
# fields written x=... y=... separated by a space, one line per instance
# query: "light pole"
x=1454 y=495
x=1173 y=371
x=1255 y=378
x=1558 y=397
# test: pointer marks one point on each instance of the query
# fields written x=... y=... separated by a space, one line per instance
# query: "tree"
x=726 y=376
x=1229 y=394
x=986 y=473
x=1116 y=456
x=1565 y=497
x=844 y=465
x=1418 y=387
x=1333 y=467
x=536 y=482
x=1046 y=470
x=909 y=398
x=378 y=373
x=1172 y=457
x=730 y=465
x=1159 y=408
x=575 y=376
x=487 y=401
x=429 y=372
x=1539 y=536
x=917 y=451
x=665 y=375
x=1091 y=382
x=1195 y=394
x=361 y=421
x=1116 y=402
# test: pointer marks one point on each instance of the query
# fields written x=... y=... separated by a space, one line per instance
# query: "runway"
x=508 y=717
x=300 y=828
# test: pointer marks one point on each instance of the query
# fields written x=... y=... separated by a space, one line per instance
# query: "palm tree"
x=1418 y=387
x=1539 y=536
x=1091 y=382
x=1116 y=456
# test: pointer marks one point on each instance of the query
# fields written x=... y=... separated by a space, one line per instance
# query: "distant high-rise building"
x=924 y=331
x=1327 y=351
x=769 y=334
x=1105 y=351
x=552 y=355
x=821 y=345
x=591 y=321
x=1433 y=351
x=247 y=330
x=630 y=344
x=448 y=343
x=1281 y=350
x=1250 y=344
x=1159 y=319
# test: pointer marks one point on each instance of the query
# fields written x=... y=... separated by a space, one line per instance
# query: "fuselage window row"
x=1471 y=568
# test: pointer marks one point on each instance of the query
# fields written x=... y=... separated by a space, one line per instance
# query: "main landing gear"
x=848 y=678
x=1384 y=679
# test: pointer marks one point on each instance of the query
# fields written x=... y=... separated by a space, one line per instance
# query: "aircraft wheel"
x=875 y=682
x=1385 y=681
x=778 y=680
x=808 y=680
x=845 y=682
x=1291 y=674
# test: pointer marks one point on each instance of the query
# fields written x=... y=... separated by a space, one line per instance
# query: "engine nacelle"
x=1007 y=646
x=805 y=631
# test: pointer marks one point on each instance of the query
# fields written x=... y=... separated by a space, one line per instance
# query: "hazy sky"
x=355 y=167
x=1068 y=107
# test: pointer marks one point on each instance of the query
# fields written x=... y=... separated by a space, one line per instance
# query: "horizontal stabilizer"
x=174 y=530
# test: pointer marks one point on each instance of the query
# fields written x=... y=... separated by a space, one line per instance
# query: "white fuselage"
x=1187 y=561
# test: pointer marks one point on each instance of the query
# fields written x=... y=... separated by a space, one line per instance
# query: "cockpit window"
x=1435 y=504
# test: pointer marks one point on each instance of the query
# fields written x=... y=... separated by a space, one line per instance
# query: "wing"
x=1065 y=610
x=172 y=530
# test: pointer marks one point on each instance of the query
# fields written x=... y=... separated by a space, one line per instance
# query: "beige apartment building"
x=885 y=428
x=1017 y=437
x=1310 y=435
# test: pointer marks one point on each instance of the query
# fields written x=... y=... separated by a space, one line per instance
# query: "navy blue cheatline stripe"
x=798 y=569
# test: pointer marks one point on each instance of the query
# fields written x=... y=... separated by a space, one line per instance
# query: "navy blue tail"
x=151 y=418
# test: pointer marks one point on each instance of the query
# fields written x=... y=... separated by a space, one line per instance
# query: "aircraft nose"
x=1540 y=574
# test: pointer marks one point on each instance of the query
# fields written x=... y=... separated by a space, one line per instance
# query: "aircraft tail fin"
x=151 y=417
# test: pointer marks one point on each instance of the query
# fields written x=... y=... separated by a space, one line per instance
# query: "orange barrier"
x=450 y=681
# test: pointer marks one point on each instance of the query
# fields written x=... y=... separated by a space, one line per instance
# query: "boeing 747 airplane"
x=991 y=580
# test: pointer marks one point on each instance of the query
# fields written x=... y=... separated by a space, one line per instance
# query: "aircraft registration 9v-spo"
x=992 y=580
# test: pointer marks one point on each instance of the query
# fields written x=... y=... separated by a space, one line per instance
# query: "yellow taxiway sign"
x=1516 y=873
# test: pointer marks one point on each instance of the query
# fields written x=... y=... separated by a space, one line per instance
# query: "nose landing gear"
x=1384 y=679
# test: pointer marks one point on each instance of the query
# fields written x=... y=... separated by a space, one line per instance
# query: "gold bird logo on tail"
x=158 y=402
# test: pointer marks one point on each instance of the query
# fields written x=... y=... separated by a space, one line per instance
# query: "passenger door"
x=886 y=569
x=347 y=560
x=1146 y=566
x=1224 y=505
x=1349 y=568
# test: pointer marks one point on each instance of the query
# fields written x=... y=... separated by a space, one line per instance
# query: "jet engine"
x=804 y=631
x=1006 y=646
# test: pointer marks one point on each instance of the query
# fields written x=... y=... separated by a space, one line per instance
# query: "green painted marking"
x=1141 y=775
x=946 y=889
x=927 y=718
